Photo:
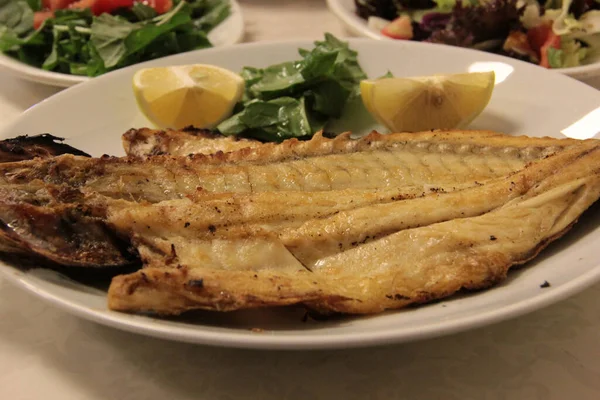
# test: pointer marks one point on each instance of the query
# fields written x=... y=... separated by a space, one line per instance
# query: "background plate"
x=229 y=32
x=527 y=99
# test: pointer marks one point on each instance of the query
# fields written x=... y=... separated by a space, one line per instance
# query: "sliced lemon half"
x=428 y=102
x=178 y=96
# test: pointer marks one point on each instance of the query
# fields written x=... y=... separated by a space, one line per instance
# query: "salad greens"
x=551 y=33
x=297 y=98
x=76 y=42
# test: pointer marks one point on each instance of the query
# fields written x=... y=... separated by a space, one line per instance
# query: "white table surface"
x=48 y=354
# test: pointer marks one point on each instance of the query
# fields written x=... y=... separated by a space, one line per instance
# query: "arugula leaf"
x=297 y=98
x=35 y=5
x=210 y=13
x=82 y=18
x=259 y=114
x=279 y=118
x=330 y=98
x=143 y=12
x=70 y=33
x=142 y=37
x=16 y=16
x=51 y=62
x=278 y=80
x=108 y=34
x=120 y=42
x=8 y=39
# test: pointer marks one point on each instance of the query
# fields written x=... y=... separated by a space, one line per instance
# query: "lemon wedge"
x=178 y=96
x=428 y=102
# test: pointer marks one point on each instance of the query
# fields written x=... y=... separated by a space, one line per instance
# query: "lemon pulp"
x=428 y=102
x=188 y=95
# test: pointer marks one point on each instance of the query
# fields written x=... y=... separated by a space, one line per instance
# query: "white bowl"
x=228 y=32
x=346 y=12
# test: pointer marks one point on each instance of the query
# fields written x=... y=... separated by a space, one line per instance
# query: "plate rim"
x=358 y=26
x=245 y=339
x=58 y=79
x=241 y=338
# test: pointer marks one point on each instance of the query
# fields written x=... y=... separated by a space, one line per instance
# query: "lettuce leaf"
x=16 y=16
x=445 y=5
x=297 y=98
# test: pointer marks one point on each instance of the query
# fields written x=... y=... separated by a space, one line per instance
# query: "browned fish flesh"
x=151 y=142
x=364 y=260
x=383 y=162
x=338 y=225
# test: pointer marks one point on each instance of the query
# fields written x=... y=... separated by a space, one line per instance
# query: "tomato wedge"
x=161 y=6
x=54 y=5
x=97 y=6
x=40 y=16
x=102 y=6
x=107 y=6
x=541 y=38
x=553 y=42
x=538 y=35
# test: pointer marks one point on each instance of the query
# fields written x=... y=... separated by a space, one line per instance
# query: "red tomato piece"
x=40 y=16
x=538 y=35
x=107 y=6
x=161 y=6
x=54 y=5
x=83 y=4
x=553 y=41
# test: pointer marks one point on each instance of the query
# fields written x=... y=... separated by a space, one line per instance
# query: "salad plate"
x=345 y=11
x=527 y=100
x=228 y=32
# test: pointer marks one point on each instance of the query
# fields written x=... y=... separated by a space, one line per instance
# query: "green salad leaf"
x=570 y=54
x=108 y=34
x=297 y=98
x=77 y=42
x=16 y=16
x=207 y=14
x=143 y=12
x=35 y=5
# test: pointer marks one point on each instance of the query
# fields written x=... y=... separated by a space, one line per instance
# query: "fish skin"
x=62 y=234
x=38 y=146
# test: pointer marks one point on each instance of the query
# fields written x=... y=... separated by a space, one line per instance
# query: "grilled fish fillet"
x=405 y=162
x=150 y=142
x=339 y=225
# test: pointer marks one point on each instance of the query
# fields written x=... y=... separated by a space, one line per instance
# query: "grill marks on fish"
x=376 y=161
x=345 y=218
x=411 y=265
x=340 y=225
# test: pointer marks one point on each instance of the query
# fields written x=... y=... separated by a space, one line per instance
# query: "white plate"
x=345 y=10
x=230 y=31
x=528 y=100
